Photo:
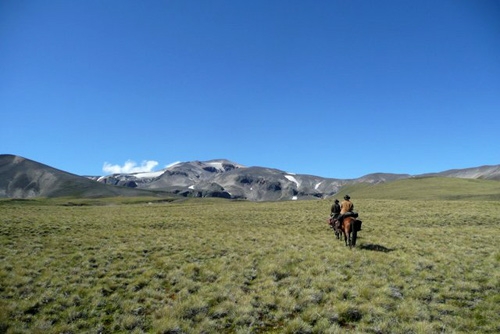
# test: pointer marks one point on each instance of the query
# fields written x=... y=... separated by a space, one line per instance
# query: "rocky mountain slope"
x=224 y=178
x=24 y=178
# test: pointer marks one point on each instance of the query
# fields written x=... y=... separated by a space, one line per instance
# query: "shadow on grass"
x=376 y=248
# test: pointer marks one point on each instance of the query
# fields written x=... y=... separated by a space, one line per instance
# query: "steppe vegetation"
x=207 y=266
x=428 y=188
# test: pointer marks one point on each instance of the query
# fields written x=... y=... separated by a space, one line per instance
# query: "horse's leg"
x=335 y=229
x=346 y=228
x=354 y=234
x=341 y=229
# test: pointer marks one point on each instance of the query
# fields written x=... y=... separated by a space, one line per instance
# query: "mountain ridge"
x=25 y=178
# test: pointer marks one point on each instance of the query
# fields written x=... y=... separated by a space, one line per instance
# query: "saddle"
x=336 y=223
x=357 y=222
x=347 y=214
x=350 y=214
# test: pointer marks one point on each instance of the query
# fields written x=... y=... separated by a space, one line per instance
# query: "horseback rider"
x=334 y=215
x=347 y=210
x=335 y=210
x=346 y=205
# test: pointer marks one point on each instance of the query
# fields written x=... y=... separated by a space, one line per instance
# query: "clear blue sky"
x=331 y=88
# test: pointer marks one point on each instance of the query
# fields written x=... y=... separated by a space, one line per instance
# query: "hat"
x=336 y=200
x=347 y=197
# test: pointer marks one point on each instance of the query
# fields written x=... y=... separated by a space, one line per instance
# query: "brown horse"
x=350 y=231
x=335 y=226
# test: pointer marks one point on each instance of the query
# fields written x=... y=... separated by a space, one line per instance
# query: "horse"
x=335 y=225
x=349 y=228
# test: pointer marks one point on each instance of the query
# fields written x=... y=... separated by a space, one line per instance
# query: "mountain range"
x=25 y=178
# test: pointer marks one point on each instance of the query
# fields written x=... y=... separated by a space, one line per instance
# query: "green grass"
x=428 y=188
x=208 y=265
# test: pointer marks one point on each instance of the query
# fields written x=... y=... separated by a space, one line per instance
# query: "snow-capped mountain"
x=224 y=178
x=24 y=178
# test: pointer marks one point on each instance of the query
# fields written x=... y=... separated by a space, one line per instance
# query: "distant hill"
x=483 y=172
x=24 y=178
x=427 y=188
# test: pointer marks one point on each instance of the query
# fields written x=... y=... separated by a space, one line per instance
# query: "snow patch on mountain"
x=293 y=179
x=148 y=174
x=216 y=164
x=173 y=164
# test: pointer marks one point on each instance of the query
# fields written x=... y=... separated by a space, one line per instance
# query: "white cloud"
x=130 y=166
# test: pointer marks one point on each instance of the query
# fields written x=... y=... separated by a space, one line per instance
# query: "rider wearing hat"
x=346 y=205
x=347 y=210
x=335 y=210
x=334 y=215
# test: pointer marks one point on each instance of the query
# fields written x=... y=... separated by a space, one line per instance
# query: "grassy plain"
x=428 y=188
x=206 y=266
